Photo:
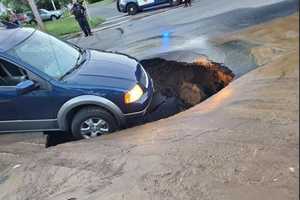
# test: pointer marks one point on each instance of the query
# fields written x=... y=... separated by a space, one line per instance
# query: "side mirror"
x=26 y=87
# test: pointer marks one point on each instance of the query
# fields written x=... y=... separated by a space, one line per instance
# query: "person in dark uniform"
x=79 y=12
x=187 y=3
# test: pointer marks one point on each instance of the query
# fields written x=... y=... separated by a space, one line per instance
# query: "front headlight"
x=134 y=94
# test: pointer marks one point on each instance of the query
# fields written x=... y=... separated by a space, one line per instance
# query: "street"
x=173 y=32
x=241 y=143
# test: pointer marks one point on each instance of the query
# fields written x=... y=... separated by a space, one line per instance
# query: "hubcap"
x=94 y=127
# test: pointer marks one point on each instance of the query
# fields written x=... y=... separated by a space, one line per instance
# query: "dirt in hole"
x=181 y=85
x=178 y=86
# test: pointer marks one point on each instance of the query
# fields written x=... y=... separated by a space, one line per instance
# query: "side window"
x=11 y=75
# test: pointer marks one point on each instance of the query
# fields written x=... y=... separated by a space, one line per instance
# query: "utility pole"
x=36 y=14
x=53 y=4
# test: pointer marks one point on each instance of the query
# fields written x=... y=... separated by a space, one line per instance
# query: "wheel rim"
x=94 y=127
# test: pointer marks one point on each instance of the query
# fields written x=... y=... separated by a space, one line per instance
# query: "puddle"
x=179 y=86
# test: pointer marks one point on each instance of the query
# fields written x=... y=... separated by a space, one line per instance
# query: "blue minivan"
x=50 y=85
x=134 y=6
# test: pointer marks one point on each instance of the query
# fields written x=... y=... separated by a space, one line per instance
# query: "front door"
x=24 y=112
x=8 y=95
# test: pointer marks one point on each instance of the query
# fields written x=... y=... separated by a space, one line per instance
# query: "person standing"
x=79 y=12
x=13 y=18
x=187 y=3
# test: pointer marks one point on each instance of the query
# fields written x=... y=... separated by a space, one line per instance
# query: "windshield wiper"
x=80 y=60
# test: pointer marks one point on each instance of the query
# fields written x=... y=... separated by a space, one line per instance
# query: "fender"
x=88 y=100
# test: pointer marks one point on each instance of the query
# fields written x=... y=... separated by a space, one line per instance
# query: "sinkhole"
x=178 y=87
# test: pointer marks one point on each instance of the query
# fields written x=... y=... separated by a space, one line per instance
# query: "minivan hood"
x=106 y=70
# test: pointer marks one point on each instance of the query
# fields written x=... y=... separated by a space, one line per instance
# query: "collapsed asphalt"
x=179 y=86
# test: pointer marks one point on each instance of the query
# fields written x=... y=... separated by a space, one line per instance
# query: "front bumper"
x=146 y=101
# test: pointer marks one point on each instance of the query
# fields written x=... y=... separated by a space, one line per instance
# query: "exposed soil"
x=178 y=85
x=181 y=85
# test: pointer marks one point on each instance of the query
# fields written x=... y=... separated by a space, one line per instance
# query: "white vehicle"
x=134 y=6
x=50 y=14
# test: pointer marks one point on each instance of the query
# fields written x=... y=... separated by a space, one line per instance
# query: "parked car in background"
x=30 y=18
x=134 y=6
x=50 y=14
x=22 y=18
x=46 y=15
x=50 y=85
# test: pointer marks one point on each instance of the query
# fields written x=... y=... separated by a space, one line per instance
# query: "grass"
x=68 y=25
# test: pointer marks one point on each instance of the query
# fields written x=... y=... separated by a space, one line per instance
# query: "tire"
x=85 y=120
x=53 y=18
x=132 y=9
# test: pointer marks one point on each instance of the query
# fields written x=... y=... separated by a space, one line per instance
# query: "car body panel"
x=47 y=14
x=142 y=4
x=102 y=80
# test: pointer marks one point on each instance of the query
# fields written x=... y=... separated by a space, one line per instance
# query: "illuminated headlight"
x=134 y=94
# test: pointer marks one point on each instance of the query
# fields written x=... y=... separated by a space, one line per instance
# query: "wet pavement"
x=242 y=143
x=191 y=32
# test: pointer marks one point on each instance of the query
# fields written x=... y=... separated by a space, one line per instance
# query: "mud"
x=190 y=83
x=178 y=85
x=181 y=85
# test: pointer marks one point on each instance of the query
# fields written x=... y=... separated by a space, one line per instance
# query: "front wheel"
x=132 y=9
x=91 y=122
x=53 y=18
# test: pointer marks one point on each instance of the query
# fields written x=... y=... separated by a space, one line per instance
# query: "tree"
x=16 y=5
x=36 y=14
x=22 y=5
x=51 y=4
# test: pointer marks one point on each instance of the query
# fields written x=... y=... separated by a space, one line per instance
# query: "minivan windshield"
x=47 y=54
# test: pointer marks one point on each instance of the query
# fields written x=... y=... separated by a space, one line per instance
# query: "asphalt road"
x=180 y=34
x=242 y=143
x=105 y=10
x=185 y=33
x=171 y=154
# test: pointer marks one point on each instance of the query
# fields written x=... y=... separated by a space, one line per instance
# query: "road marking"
x=111 y=26
x=121 y=19
x=116 y=19
x=118 y=16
